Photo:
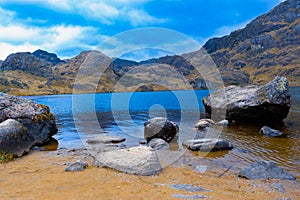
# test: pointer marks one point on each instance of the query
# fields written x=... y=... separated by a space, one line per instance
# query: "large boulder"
x=23 y=124
x=140 y=160
x=159 y=127
x=268 y=103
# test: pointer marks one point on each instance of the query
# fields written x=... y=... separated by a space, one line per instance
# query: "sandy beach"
x=41 y=175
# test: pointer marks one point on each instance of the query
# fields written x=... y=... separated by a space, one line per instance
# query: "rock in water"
x=159 y=127
x=203 y=123
x=207 y=145
x=34 y=124
x=136 y=160
x=105 y=139
x=158 y=144
x=265 y=170
x=268 y=103
x=267 y=131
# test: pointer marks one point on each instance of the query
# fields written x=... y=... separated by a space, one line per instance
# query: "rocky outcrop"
x=267 y=131
x=49 y=57
x=136 y=160
x=24 y=124
x=265 y=170
x=266 y=47
x=268 y=103
x=160 y=128
x=207 y=145
x=40 y=65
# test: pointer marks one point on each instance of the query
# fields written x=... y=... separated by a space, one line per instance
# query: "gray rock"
x=158 y=144
x=203 y=123
x=105 y=139
x=14 y=138
x=196 y=196
x=76 y=166
x=265 y=170
x=268 y=103
x=187 y=187
x=223 y=122
x=140 y=160
x=201 y=168
x=159 y=127
x=30 y=124
x=278 y=187
x=207 y=145
x=267 y=131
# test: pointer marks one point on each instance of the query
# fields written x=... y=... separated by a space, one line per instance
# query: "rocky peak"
x=49 y=57
x=266 y=47
x=27 y=62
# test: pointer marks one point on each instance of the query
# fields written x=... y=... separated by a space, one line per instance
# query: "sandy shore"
x=41 y=175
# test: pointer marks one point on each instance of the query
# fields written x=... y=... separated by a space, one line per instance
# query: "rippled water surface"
x=124 y=114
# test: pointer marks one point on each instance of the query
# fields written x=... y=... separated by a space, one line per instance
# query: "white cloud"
x=140 y=17
x=107 y=11
x=226 y=30
x=16 y=38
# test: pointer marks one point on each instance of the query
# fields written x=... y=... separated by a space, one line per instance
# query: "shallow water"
x=124 y=114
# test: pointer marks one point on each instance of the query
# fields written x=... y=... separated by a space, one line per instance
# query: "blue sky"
x=67 y=27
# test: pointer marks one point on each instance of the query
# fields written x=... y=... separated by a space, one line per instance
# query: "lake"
x=125 y=113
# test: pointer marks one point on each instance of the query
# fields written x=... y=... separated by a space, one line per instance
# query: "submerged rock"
x=140 y=160
x=207 y=145
x=187 y=187
x=268 y=103
x=267 y=131
x=159 y=127
x=203 y=123
x=158 y=144
x=28 y=124
x=265 y=170
x=105 y=139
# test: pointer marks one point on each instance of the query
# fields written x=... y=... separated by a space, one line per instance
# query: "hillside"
x=266 y=47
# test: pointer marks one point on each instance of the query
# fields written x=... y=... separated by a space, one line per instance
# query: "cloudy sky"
x=67 y=27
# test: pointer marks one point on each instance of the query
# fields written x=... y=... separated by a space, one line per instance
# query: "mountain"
x=266 y=47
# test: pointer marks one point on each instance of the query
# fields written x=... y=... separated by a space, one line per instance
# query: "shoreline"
x=41 y=175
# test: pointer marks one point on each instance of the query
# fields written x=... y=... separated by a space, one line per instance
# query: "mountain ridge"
x=266 y=47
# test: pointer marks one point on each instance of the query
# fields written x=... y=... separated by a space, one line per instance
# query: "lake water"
x=124 y=114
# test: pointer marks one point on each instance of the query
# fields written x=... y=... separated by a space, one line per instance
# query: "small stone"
x=278 y=187
x=267 y=131
x=158 y=144
x=187 y=187
x=196 y=196
x=203 y=123
x=201 y=168
x=76 y=166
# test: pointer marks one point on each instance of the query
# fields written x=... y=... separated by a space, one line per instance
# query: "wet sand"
x=41 y=175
